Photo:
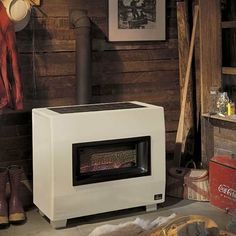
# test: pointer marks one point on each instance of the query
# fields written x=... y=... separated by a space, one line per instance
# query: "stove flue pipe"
x=82 y=25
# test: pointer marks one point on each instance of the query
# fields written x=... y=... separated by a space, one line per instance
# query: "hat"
x=19 y=12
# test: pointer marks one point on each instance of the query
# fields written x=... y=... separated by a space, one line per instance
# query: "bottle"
x=222 y=103
x=230 y=108
x=213 y=100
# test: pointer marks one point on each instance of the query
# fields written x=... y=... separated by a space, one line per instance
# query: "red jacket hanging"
x=11 y=94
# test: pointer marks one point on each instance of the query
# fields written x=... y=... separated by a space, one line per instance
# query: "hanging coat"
x=11 y=94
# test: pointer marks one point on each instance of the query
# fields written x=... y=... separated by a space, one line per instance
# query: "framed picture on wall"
x=136 y=20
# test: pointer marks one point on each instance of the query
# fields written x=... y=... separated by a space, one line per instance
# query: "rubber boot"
x=3 y=201
x=16 y=211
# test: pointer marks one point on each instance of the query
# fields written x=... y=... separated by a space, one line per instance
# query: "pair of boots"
x=11 y=210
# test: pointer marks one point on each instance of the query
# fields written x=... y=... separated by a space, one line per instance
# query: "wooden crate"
x=218 y=137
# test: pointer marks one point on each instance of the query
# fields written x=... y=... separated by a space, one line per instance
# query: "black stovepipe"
x=82 y=25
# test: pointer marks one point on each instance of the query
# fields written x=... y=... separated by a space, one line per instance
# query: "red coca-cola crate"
x=222 y=178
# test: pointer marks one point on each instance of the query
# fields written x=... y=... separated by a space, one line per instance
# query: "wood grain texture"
x=197 y=116
x=229 y=70
x=218 y=133
x=225 y=146
x=207 y=141
x=183 y=48
x=63 y=63
x=228 y=24
x=218 y=137
x=210 y=53
x=143 y=71
x=180 y=130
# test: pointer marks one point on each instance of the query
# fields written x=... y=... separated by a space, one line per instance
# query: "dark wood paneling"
x=210 y=53
x=143 y=71
x=218 y=138
x=16 y=139
x=50 y=64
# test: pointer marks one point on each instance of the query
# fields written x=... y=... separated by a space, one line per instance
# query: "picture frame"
x=136 y=20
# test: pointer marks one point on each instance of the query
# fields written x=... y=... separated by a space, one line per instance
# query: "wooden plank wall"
x=15 y=140
x=219 y=138
x=143 y=71
x=210 y=53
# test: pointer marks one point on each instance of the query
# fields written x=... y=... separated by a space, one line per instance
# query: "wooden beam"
x=207 y=141
x=183 y=47
x=229 y=70
x=179 y=135
x=228 y=24
x=183 y=42
x=210 y=49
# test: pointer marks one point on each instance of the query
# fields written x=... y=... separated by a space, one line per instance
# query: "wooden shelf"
x=231 y=119
x=228 y=24
x=229 y=70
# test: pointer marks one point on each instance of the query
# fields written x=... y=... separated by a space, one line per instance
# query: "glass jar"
x=222 y=103
x=213 y=100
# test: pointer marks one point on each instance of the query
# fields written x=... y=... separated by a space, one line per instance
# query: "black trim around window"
x=142 y=167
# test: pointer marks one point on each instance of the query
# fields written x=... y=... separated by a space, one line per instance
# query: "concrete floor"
x=38 y=225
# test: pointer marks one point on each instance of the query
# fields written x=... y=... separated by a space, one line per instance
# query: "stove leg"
x=58 y=224
x=152 y=207
x=41 y=213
